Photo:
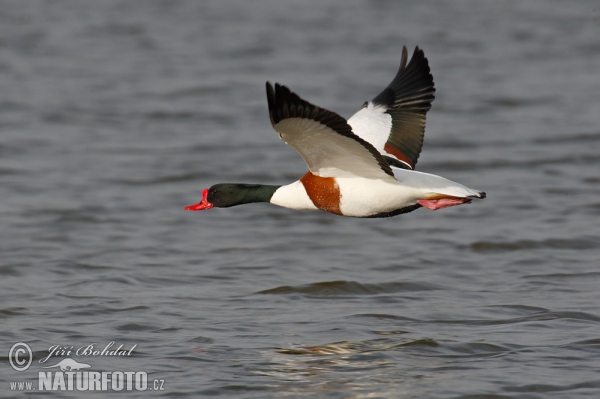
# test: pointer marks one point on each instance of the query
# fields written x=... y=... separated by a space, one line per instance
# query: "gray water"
x=115 y=115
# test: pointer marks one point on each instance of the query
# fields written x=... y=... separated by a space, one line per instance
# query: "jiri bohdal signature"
x=88 y=350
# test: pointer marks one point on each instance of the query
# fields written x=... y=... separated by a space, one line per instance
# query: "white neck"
x=292 y=196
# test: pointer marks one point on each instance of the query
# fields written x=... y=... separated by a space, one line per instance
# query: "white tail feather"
x=433 y=184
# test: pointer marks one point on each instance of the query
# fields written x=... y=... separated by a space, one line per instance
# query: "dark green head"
x=224 y=195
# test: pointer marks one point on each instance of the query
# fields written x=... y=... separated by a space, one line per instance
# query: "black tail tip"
x=482 y=194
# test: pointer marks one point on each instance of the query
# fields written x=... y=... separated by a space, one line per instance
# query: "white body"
x=360 y=197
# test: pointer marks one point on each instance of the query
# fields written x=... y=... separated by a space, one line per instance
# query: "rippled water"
x=115 y=115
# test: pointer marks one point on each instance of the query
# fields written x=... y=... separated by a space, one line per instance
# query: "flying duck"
x=360 y=167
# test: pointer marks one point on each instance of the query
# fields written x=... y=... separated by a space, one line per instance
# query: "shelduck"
x=360 y=167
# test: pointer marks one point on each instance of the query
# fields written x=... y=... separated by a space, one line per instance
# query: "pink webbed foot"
x=439 y=203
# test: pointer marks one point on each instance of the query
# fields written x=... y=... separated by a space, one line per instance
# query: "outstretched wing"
x=394 y=122
x=323 y=138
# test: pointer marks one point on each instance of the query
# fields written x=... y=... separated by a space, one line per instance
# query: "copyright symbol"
x=20 y=356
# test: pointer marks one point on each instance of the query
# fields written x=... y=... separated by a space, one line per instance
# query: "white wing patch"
x=372 y=124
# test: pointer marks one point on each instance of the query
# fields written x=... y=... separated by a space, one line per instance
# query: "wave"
x=334 y=288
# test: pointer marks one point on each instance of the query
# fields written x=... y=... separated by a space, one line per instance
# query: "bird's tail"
x=437 y=192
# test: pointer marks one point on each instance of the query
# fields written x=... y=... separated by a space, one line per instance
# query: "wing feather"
x=394 y=122
x=323 y=138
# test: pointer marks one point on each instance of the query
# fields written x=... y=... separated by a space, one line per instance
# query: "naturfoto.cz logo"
x=69 y=374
